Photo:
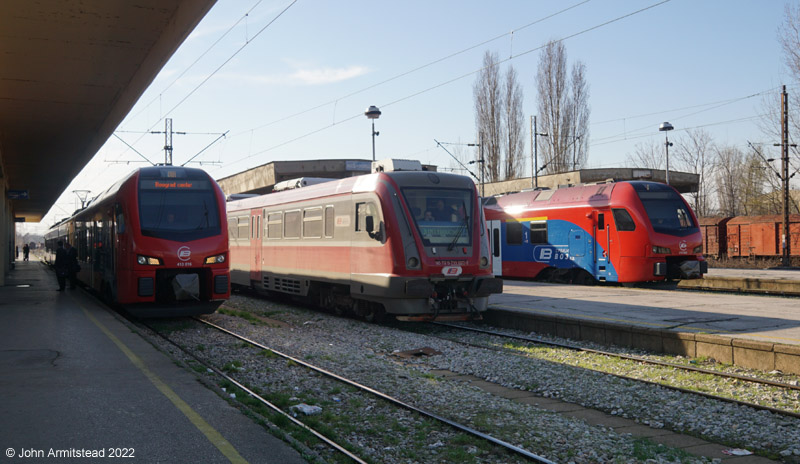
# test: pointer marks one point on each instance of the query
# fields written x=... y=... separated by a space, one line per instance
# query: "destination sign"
x=174 y=185
x=17 y=194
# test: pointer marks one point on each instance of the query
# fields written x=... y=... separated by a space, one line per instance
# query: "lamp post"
x=666 y=127
x=373 y=113
x=535 y=157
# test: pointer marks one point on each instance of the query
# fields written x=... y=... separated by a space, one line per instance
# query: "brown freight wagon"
x=713 y=229
x=760 y=236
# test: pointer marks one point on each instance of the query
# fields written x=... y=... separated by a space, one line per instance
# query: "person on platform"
x=26 y=251
x=61 y=266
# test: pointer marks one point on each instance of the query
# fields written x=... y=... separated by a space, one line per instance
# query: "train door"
x=603 y=244
x=497 y=251
x=255 y=247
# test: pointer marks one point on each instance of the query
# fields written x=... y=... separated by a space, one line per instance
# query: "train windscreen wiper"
x=460 y=229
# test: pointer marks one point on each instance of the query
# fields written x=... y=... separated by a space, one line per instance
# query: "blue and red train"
x=611 y=232
x=155 y=243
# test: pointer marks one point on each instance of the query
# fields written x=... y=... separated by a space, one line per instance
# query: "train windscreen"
x=667 y=212
x=180 y=209
x=442 y=216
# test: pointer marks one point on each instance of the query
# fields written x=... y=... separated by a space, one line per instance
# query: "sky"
x=291 y=80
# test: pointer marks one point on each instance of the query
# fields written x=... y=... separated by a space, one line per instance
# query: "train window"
x=291 y=224
x=538 y=232
x=363 y=210
x=274 y=225
x=312 y=222
x=329 y=221
x=120 y=218
x=233 y=229
x=514 y=233
x=601 y=221
x=244 y=227
x=667 y=211
x=623 y=220
x=180 y=215
x=443 y=216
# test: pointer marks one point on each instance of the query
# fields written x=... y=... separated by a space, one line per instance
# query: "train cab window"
x=291 y=224
x=329 y=221
x=274 y=225
x=443 y=216
x=538 y=232
x=186 y=211
x=623 y=220
x=312 y=222
x=514 y=233
x=667 y=211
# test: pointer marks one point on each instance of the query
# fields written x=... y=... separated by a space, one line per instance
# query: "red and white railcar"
x=156 y=242
x=362 y=245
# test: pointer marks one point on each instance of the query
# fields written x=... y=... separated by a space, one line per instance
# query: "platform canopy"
x=70 y=71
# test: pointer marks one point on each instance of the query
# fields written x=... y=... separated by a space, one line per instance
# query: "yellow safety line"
x=211 y=434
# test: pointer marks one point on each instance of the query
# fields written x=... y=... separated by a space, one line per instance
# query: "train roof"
x=598 y=194
x=356 y=184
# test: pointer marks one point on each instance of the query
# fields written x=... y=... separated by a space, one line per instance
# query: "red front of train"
x=156 y=243
x=363 y=245
x=612 y=232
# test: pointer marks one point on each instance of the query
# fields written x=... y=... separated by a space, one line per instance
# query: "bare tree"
x=514 y=126
x=695 y=153
x=563 y=110
x=579 y=116
x=488 y=115
x=649 y=155
x=729 y=173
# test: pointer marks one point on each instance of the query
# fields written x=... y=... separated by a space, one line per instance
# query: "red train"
x=749 y=236
x=611 y=232
x=363 y=245
x=156 y=243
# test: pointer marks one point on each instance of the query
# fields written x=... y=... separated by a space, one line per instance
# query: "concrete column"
x=6 y=237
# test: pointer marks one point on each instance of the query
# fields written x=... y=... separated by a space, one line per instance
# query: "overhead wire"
x=512 y=57
x=411 y=71
x=247 y=42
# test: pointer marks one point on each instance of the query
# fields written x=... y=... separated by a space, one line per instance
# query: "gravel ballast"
x=383 y=433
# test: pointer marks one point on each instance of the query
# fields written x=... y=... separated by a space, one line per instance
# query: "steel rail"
x=648 y=361
x=386 y=397
x=263 y=401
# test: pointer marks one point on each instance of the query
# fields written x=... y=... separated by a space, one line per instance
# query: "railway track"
x=341 y=448
x=366 y=352
x=663 y=381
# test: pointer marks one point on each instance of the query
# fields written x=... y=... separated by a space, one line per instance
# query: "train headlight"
x=413 y=262
x=484 y=262
x=698 y=249
x=148 y=261
x=215 y=259
x=661 y=250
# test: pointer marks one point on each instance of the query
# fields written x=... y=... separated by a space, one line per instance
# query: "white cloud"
x=327 y=75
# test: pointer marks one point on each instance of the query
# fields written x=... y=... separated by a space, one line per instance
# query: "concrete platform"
x=764 y=281
x=754 y=331
x=76 y=382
